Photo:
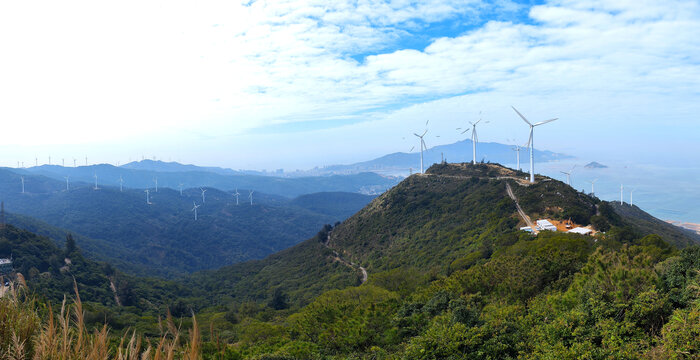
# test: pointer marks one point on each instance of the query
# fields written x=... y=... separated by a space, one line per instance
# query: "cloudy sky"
x=298 y=83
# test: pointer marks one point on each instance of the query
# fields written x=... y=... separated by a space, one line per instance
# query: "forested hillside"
x=451 y=277
x=162 y=238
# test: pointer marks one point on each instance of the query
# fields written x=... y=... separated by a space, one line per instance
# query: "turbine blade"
x=521 y=115
x=465 y=131
x=544 y=122
x=413 y=147
x=427 y=121
x=416 y=134
x=424 y=132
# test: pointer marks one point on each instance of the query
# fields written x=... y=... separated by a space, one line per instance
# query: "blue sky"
x=299 y=83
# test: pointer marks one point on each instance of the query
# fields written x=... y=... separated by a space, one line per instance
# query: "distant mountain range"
x=163 y=238
x=460 y=151
x=142 y=175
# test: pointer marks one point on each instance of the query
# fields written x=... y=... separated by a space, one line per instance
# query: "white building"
x=545 y=225
x=581 y=230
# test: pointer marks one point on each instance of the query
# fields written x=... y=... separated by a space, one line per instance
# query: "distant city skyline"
x=298 y=84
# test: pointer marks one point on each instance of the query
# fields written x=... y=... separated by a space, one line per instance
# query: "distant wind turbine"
x=568 y=175
x=203 y=191
x=49 y=159
x=621 y=189
x=121 y=184
x=475 y=138
x=422 y=146
x=63 y=162
x=22 y=178
x=592 y=182
x=631 y=192
x=36 y=161
x=148 y=201
x=250 y=196
x=530 y=142
x=74 y=160
x=194 y=208
x=67 y=188
x=96 y=188
x=180 y=185
x=155 y=179
x=86 y=163
x=236 y=194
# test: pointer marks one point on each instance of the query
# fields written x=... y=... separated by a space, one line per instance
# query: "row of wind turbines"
x=475 y=140
x=148 y=192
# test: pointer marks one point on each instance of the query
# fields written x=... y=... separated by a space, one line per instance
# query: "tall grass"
x=64 y=336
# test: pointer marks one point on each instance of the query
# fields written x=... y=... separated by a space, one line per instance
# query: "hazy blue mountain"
x=201 y=177
x=460 y=151
x=163 y=237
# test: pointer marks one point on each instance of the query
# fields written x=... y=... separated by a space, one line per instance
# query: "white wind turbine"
x=250 y=196
x=148 y=201
x=621 y=189
x=86 y=163
x=236 y=194
x=180 y=185
x=568 y=175
x=631 y=192
x=517 y=156
x=74 y=160
x=22 y=178
x=530 y=142
x=121 y=184
x=422 y=146
x=203 y=191
x=66 y=177
x=155 y=179
x=592 y=185
x=49 y=159
x=96 y=188
x=194 y=208
x=475 y=138
x=63 y=162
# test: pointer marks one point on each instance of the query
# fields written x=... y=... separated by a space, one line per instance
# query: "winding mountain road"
x=349 y=264
x=522 y=214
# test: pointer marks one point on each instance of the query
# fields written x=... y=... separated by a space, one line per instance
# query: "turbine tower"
x=422 y=146
x=155 y=179
x=517 y=156
x=236 y=194
x=621 y=188
x=568 y=175
x=148 y=201
x=49 y=159
x=63 y=162
x=475 y=138
x=203 y=191
x=180 y=185
x=22 y=178
x=66 y=177
x=530 y=142
x=96 y=188
x=86 y=160
x=121 y=184
x=74 y=160
x=631 y=192
x=194 y=208
x=250 y=196
x=592 y=186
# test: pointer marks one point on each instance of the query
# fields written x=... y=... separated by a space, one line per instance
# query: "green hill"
x=163 y=238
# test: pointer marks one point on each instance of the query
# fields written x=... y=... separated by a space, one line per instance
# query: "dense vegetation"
x=163 y=238
x=451 y=277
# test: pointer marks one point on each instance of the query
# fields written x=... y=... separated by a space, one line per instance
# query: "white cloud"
x=85 y=72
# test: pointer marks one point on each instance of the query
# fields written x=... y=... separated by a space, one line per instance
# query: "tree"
x=70 y=245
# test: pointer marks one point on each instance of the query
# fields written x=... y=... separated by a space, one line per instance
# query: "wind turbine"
x=517 y=156
x=631 y=192
x=147 y=199
x=22 y=178
x=49 y=159
x=63 y=162
x=250 y=196
x=203 y=191
x=66 y=177
x=475 y=138
x=180 y=188
x=621 y=188
x=121 y=184
x=236 y=194
x=422 y=146
x=155 y=179
x=593 y=186
x=194 y=208
x=96 y=188
x=36 y=161
x=530 y=142
x=568 y=175
x=74 y=160
x=86 y=160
